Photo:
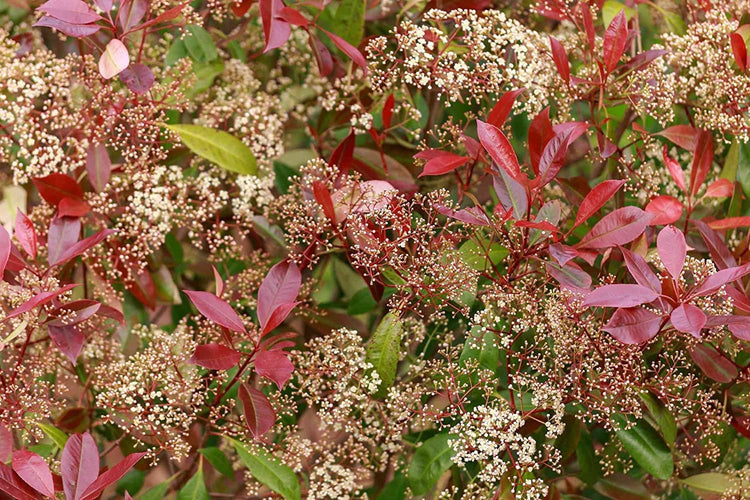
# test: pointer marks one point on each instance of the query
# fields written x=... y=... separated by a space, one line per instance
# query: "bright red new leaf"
x=215 y=356
x=597 y=197
x=79 y=465
x=617 y=228
x=502 y=108
x=280 y=286
x=619 y=295
x=500 y=150
x=672 y=250
x=633 y=325
x=444 y=163
x=259 y=414
x=615 y=39
x=274 y=365
x=54 y=187
x=34 y=470
x=216 y=309
x=665 y=209
x=689 y=319
x=713 y=363
x=560 y=57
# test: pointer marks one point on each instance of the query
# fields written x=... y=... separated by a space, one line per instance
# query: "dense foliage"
x=386 y=249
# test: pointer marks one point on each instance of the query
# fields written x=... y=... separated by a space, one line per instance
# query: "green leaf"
x=587 y=459
x=205 y=74
x=269 y=471
x=567 y=442
x=430 y=461
x=661 y=415
x=713 y=482
x=611 y=8
x=195 y=488
x=349 y=20
x=481 y=345
x=475 y=257
x=383 y=350
x=158 y=492
x=395 y=490
x=361 y=302
x=646 y=447
x=199 y=44
x=218 y=460
x=55 y=434
x=218 y=147
x=176 y=52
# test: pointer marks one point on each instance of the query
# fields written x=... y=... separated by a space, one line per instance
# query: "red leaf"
x=215 y=357
x=13 y=486
x=640 y=61
x=633 y=325
x=540 y=133
x=588 y=25
x=280 y=286
x=131 y=12
x=640 y=271
x=70 y=207
x=138 y=78
x=512 y=194
x=6 y=443
x=38 y=300
x=560 y=57
x=34 y=470
x=275 y=29
x=343 y=154
x=387 y=111
x=675 y=170
x=720 y=188
x=704 y=156
x=63 y=234
x=79 y=465
x=444 y=163
x=70 y=29
x=323 y=197
x=689 y=319
x=683 y=136
x=597 y=197
x=562 y=253
x=111 y=476
x=70 y=11
x=322 y=56
x=570 y=275
x=219 y=282
x=274 y=365
x=216 y=310
x=615 y=39
x=713 y=363
x=241 y=7
x=738 y=325
x=503 y=107
x=293 y=16
x=617 y=228
x=54 y=187
x=739 y=50
x=68 y=339
x=352 y=52
x=471 y=215
x=500 y=150
x=278 y=315
x=167 y=15
x=618 y=295
x=553 y=157
x=665 y=209
x=259 y=414
x=26 y=235
x=6 y=248
x=81 y=247
x=672 y=249
x=719 y=279
x=142 y=286
x=716 y=246
x=730 y=223
x=74 y=312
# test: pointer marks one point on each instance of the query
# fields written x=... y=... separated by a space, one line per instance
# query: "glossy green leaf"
x=195 y=488
x=646 y=447
x=218 y=147
x=430 y=461
x=482 y=346
x=663 y=418
x=361 y=302
x=383 y=350
x=714 y=482
x=349 y=21
x=269 y=471
x=199 y=44
x=588 y=462
x=218 y=460
x=55 y=434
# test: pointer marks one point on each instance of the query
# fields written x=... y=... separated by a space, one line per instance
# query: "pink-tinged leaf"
x=98 y=166
x=674 y=168
x=105 y=5
x=79 y=465
x=352 y=52
x=71 y=207
x=562 y=253
x=717 y=280
x=617 y=228
x=165 y=16
x=597 y=197
x=560 y=57
x=606 y=147
x=6 y=247
x=294 y=17
x=501 y=110
x=618 y=295
x=216 y=310
x=387 y=113
x=114 y=59
x=500 y=150
x=738 y=325
x=274 y=365
x=716 y=246
x=665 y=209
x=704 y=156
x=672 y=250
x=730 y=223
x=112 y=313
x=739 y=50
x=6 y=443
x=219 y=282
x=633 y=325
x=571 y=130
x=570 y=275
x=588 y=25
x=739 y=299
x=721 y=188
x=540 y=133
x=68 y=339
x=688 y=318
x=240 y=7
x=12 y=485
x=131 y=13
x=143 y=287
x=512 y=194
x=643 y=59
x=323 y=56
x=683 y=136
x=323 y=197
x=542 y=225
x=259 y=414
x=215 y=357
x=471 y=215
x=70 y=11
x=275 y=29
x=69 y=29
x=280 y=286
x=552 y=158
x=81 y=247
x=278 y=315
x=640 y=270
x=444 y=163
x=37 y=300
x=111 y=476
x=713 y=363
x=54 y=187
x=343 y=154
x=615 y=39
x=74 y=312
x=138 y=78
x=34 y=470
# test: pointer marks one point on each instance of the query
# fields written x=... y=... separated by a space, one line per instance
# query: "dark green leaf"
x=430 y=461
x=199 y=44
x=646 y=447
